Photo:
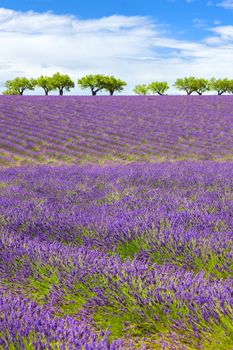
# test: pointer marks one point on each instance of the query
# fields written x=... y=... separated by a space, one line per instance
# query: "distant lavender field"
x=77 y=129
x=123 y=238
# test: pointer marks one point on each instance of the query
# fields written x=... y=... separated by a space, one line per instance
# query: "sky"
x=139 y=41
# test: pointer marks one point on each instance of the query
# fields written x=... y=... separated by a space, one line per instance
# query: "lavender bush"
x=135 y=256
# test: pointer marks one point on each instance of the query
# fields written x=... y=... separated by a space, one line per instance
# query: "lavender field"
x=116 y=223
x=119 y=128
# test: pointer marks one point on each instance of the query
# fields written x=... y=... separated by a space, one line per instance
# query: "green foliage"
x=95 y=82
x=216 y=335
x=192 y=84
x=98 y=82
x=10 y=92
x=221 y=85
x=61 y=82
x=74 y=299
x=130 y=248
x=42 y=282
x=46 y=83
x=230 y=86
x=113 y=84
x=159 y=87
x=201 y=85
x=18 y=85
x=141 y=89
x=124 y=312
x=217 y=265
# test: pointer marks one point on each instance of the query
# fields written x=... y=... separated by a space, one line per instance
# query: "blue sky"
x=188 y=19
x=141 y=40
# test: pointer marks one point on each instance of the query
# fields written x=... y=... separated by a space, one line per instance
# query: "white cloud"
x=225 y=33
x=227 y=4
x=136 y=49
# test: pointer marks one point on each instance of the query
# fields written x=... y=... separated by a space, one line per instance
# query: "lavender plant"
x=135 y=256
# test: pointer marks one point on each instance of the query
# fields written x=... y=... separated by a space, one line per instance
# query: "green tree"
x=18 y=85
x=112 y=84
x=95 y=82
x=141 y=89
x=10 y=92
x=62 y=82
x=220 y=85
x=185 y=84
x=192 y=84
x=158 y=87
x=46 y=83
x=230 y=86
x=201 y=85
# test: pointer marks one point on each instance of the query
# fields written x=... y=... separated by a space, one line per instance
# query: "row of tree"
x=63 y=82
x=98 y=82
x=189 y=85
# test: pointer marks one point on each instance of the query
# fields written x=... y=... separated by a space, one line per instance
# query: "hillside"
x=116 y=223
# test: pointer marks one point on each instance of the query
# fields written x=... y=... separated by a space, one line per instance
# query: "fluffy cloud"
x=225 y=33
x=136 y=49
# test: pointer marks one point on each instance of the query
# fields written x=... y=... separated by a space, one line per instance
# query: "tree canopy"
x=159 y=87
x=192 y=84
x=112 y=84
x=10 y=92
x=18 y=85
x=94 y=82
x=220 y=85
x=156 y=87
x=46 y=83
x=201 y=85
x=62 y=82
x=98 y=82
x=141 y=89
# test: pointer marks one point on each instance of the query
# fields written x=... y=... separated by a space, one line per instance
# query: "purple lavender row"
x=98 y=288
x=167 y=204
x=144 y=250
x=172 y=126
x=26 y=325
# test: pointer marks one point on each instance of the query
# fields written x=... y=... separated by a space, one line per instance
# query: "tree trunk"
x=60 y=92
x=111 y=92
x=93 y=92
x=46 y=92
